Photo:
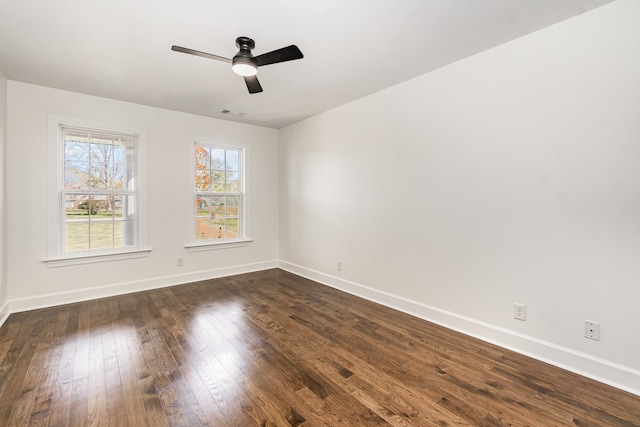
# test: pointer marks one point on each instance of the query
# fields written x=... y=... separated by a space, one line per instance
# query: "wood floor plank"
x=21 y=409
x=273 y=349
x=392 y=407
x=62 y=386
x=262 y=383
x=42 y=405
x=133 y=406
x=96 y=399
x=382 y=387
x=188 y=348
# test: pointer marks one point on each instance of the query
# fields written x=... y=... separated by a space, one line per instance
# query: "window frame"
x=57 y=256
x=243 y=223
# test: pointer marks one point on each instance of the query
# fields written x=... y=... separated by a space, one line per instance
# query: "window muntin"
x=218 y=193
x=99 y=193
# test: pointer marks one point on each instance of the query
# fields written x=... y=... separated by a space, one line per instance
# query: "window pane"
x=97 y=205
x=217 y=182
x=76 y=235
x=74 y=208
x=217 y=159
x=101 y=234
x=107 y=206
x=115 y=207
x=231 y=232
x=124 y=160
x=203 y=158
x=118 y=172
x=77 y=205
x=203 y=218
x=128 y=208
x=123 y=233
x=233 y=204
x=76 y=162
x=203 y=228
x=203 y=206
x=119 y=153
x=233 y=182
x=101 y=151
x=232 y=228
x=75 y=151
x=76 y=175
x=203 y=180
x=218 y=206
x=232 y=160
x=100 y=176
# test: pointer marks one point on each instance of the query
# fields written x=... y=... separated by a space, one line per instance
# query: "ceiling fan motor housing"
x=245 y=44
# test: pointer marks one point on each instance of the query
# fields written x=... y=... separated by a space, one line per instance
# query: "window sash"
x=216 y=166
x=124 y=219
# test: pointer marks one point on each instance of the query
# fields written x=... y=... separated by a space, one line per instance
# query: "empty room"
x=325 y=213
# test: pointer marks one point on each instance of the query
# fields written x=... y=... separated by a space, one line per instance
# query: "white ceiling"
x=121 y=49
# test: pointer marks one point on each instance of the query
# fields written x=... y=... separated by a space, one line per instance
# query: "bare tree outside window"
x=99 y=193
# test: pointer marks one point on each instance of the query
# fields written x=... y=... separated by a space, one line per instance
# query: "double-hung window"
x=218 y=193
x=98 y=195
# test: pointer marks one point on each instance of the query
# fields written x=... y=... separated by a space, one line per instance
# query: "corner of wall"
x=4 y=307
x=4 y=313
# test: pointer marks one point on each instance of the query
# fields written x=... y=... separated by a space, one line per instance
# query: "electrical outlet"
x=519 y=311
x=180 y=262
x=592 y=330
x=339 y=265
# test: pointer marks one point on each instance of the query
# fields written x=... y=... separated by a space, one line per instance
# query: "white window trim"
x=94 y=258
x=192 y=244
x=226 y=244
x=55 y=256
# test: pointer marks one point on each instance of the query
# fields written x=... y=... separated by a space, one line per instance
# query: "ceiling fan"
x=245 y=64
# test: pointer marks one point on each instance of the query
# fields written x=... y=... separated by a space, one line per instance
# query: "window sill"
x=211 y=246
x=94 y=258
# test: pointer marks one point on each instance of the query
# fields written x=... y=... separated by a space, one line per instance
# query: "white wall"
x=31 y=283
x=4 y=305
x=510 y=176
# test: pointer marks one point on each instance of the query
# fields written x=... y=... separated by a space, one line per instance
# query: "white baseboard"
x=50 y=300
x=605 y=371
x=4 y=312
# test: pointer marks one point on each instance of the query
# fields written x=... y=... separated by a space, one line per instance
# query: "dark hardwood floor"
x=273 y=349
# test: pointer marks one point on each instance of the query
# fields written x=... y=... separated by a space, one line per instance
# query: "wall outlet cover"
x=519 y=311
x=592 y=330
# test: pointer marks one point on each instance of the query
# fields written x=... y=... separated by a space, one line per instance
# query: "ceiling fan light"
x=244 y=69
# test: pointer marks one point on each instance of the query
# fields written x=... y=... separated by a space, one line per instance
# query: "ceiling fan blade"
x=198 y=53
x=288 y=53
x=253 y=84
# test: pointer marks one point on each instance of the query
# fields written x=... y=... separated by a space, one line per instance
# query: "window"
x=218 y=194
x=98 y=199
